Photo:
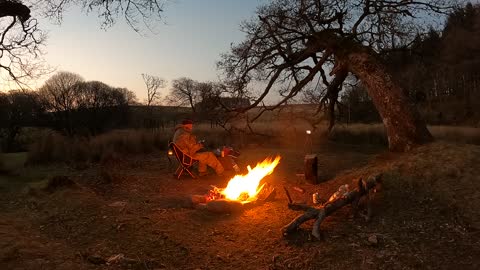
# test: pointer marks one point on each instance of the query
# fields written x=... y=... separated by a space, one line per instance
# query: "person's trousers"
x=208 y=159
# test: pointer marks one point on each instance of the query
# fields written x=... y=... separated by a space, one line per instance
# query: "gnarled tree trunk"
x=404 y=125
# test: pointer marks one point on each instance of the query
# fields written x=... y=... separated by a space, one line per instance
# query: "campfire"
x=245 y=188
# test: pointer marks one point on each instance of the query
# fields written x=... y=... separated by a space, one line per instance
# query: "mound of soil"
x=445 y=172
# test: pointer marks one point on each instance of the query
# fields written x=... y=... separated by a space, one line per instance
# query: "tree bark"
x=403 y=123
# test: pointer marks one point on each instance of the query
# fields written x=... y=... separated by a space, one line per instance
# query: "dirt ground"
x=132 y=214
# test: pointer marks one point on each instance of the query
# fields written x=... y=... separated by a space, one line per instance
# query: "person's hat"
x=187 y=122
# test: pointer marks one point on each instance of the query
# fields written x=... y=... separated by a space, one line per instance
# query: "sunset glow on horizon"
x=186 y=43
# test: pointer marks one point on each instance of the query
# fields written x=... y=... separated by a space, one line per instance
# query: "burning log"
x=364 y=188
x=221 y=205
x=224 y=206
x=241 y=191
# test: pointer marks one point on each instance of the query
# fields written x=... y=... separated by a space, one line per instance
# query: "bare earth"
x=425 y=217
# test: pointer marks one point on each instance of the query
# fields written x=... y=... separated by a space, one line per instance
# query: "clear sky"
x=187 y=43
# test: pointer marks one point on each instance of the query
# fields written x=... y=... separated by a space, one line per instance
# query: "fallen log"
x=364 y=188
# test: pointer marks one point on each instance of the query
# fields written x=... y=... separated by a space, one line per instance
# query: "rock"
x=196 y=199
x=58 y=182
x=115 y=258
x=224 y=206
x=118 y=204
x=95 y=259
x=373 y=240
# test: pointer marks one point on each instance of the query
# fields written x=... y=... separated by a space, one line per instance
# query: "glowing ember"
x=246 y=187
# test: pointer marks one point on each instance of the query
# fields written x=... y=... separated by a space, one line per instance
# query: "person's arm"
x=194 y=145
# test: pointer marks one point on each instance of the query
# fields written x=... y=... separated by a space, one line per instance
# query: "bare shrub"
x=52 y=147
x=49 y=147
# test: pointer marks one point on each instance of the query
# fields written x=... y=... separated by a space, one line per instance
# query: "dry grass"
x=470 y=135
x=53 y=147
x=449 y=173
x=2 y=164
x=375 y=134
x=360 y=134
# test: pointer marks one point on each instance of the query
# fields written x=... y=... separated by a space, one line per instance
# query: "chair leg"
x=191 y=174
x=181 y=169
x=178 y=170
x=180 y=173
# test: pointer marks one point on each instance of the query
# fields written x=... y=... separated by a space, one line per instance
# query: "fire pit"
x=240 y=190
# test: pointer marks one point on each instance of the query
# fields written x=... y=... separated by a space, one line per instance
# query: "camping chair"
x=185 y=161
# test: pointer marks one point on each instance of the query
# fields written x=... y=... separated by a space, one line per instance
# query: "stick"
x=288 y=195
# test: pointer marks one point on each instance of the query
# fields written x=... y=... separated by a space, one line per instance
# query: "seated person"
x=187 y=142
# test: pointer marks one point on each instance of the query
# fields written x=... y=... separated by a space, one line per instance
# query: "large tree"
x=75 y=104
x=153 y=85
x=17 y=109
x=184 y=92
x=21 y=38
x=292 y=42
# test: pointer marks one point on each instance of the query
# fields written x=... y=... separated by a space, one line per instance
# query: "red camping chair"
x=185 y=161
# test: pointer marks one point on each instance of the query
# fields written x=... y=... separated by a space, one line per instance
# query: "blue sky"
x=187 y=43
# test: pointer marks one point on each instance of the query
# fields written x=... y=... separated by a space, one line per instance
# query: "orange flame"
x=246 y=187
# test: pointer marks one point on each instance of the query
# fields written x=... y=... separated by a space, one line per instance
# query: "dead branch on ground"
x=364 y=188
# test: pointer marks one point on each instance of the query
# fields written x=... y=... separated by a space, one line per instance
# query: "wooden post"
x=311 y=168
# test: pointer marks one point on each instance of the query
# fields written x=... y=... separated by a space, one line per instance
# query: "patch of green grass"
x=14 y=175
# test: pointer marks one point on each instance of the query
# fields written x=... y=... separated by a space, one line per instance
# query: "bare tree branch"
x=153 y=84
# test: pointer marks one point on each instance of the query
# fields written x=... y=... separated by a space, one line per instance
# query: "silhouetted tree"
x=79 y=106
x=20 y=37
x=60 y=93
x=153 y=84
x=184 y=92
x=20 y=41
x=99 y=107
x=130 y=96
x=18 y=109
x=293 y=42
x=440 y=68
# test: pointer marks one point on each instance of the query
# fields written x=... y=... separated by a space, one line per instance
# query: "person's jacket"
x=186 y=141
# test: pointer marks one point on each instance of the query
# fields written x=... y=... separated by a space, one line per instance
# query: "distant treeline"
x=440 y=72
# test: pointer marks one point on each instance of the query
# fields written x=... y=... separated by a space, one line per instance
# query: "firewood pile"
x=364 y=189
x=214 y=201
